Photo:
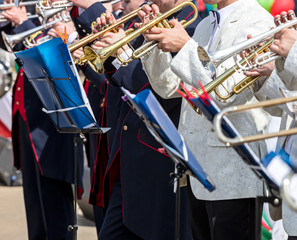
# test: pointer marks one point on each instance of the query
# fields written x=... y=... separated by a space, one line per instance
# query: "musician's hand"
x=284 y=40
x=53 y=32
x=146 y=14
x=16 y=15
x=110 y=38
x=283 y=17
x=70 y=28
x=84 y=4
x=104 y=20
x=169 y=40
x=264 y=70
x=77 y=54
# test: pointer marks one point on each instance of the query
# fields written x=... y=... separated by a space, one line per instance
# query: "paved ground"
x=13 y=221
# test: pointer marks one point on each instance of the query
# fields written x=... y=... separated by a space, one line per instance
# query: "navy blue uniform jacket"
x=147 y=190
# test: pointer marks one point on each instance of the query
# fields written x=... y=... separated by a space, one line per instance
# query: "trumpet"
x=259 y=55
x=93 y=36
x=245 y=107
x=96 y=58
x=11 y=40
x=9 y=5
x=45 y=12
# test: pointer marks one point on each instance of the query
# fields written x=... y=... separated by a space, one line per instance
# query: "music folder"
x=161 y=127
x=53 y=74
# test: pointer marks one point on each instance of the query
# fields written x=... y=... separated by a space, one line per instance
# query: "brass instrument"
x=11 y=40
x=93 y=36
x=289 y=183
x=240 y=108
x=239 y=87
x=259 y=55
x=9 y=5
x=46 y=11
x=96 y=59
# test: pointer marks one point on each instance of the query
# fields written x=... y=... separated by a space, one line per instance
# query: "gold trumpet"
x=240 y=108
x=93 y=36
x=258 y=56
x=239 y=87
x=96 y=59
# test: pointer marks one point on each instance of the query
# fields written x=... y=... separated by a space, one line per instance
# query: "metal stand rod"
x=73 y=228
x=177 y=176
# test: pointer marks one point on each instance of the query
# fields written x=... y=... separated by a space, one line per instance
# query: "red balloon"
x=282 y=5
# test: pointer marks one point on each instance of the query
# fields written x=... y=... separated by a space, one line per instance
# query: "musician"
x=283 y=78
x=141 y=202
x=44 y=156
x=214 y=215
x=84 y=16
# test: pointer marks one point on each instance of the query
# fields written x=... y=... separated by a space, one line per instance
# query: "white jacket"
x=233 y=178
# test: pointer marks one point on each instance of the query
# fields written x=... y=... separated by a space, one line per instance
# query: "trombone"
x=289 y=178
x=96 y=59
x=240 y=108
x=259 y=56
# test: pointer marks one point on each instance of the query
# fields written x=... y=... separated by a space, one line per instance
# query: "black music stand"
x=147 y=107
x=59 y=88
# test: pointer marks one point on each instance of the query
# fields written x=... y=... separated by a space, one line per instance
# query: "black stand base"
x=177 y=176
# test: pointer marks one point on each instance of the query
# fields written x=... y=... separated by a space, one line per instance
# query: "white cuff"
x=125 y=55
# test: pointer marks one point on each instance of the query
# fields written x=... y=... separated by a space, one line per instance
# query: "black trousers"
x=223 y=220
x=113 y=227
x=48 y=202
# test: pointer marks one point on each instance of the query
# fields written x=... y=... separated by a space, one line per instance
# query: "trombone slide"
x=240 y=108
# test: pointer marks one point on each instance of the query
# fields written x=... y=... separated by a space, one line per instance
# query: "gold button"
x=125 y=127
x=17 y=103
x=19 y=89
x=79 y=25
x=22 y=74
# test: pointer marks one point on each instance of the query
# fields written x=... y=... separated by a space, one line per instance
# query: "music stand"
x=147 y=107
x=51 y=71
x=273 y=168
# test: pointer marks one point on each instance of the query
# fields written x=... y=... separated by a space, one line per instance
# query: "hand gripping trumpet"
x=258 y=56
x=93 y=36
x=96 y=59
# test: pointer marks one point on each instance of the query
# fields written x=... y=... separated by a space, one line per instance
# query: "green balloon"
x=267 y=4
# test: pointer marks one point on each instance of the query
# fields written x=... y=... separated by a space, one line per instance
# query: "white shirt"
x=223 y=13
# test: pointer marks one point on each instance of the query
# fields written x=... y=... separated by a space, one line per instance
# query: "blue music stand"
x=51 y=71
x=147 y=107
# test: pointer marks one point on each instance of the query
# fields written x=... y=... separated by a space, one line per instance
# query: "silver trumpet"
x=9 y=5
x=11 y=40
x=45 y=13
x=212 y=60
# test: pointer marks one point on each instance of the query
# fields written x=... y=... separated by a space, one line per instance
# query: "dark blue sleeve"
x=95 y=78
